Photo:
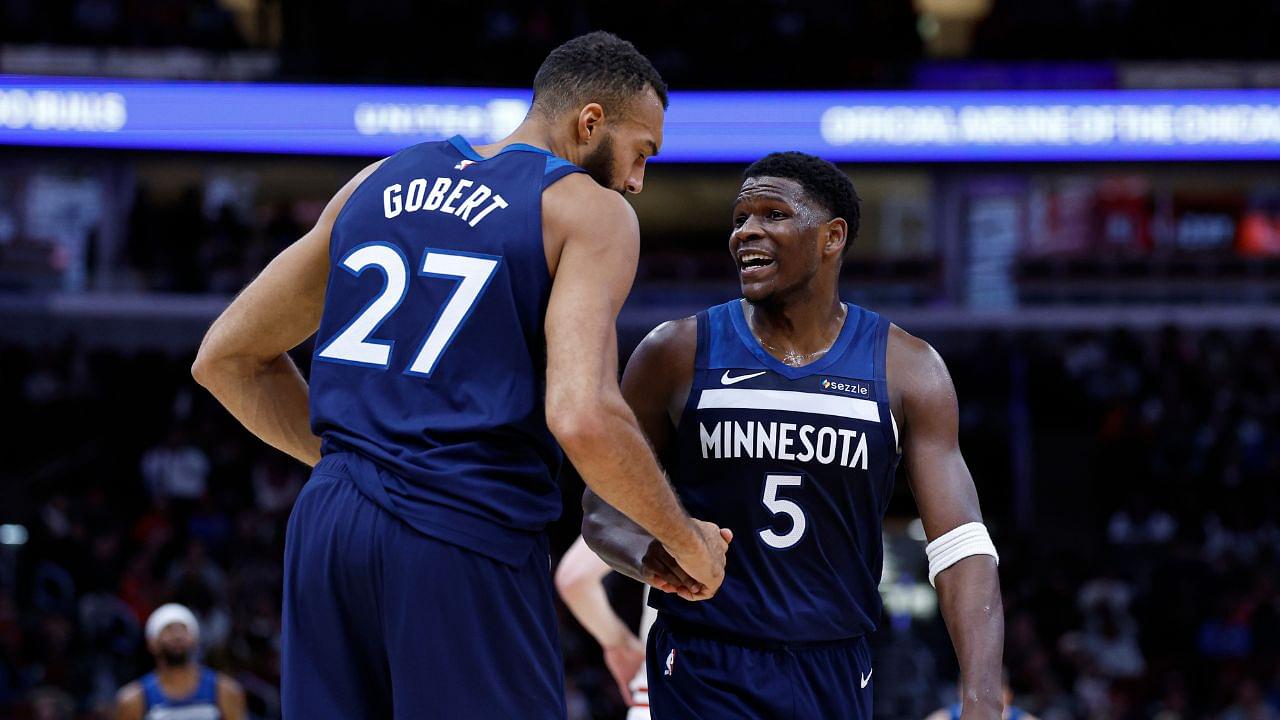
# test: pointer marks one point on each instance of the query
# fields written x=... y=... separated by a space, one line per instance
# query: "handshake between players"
x=695 y=574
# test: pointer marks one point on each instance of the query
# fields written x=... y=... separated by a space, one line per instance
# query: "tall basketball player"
x=456 y=290
x=783 y=417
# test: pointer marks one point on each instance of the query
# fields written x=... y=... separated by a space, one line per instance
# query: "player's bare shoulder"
x=130 y=702
x=662 y=365
x=915 y=371
x=579 y=207
x=673 y=343
x=231 y=697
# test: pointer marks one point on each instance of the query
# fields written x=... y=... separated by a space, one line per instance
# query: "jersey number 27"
x=352 y=344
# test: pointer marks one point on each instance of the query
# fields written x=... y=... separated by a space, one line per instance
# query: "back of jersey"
x=430 y=359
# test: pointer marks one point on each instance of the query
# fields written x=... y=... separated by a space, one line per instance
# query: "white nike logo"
x=727 y=380
x=864 y=679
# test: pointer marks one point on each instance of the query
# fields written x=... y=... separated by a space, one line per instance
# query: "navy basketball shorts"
x=695 y=676
x=381 y=621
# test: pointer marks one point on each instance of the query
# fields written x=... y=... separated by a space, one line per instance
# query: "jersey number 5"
x=352 y=344
x=782 y=506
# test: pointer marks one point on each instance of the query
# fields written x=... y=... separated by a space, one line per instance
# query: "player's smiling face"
x=775 y=238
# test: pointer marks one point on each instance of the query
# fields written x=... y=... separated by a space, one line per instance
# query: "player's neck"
x=533 y=132
x=178 y=679
x=798 y=326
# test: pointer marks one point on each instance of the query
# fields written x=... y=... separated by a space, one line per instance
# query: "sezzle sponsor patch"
x=852 y=388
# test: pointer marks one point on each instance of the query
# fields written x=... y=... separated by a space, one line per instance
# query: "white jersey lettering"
x=397 y=201
x=730 y=439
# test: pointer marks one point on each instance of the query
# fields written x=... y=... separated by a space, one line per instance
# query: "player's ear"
x=590 y=118
x=836 y=234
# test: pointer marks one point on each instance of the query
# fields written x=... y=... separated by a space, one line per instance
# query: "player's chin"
x=756 y=291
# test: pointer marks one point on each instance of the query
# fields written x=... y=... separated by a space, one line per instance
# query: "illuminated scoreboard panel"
x=904 y=126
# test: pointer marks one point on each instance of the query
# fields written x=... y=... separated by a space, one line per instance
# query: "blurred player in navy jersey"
x=180 y=688
x=465 y=299
x=783 y=417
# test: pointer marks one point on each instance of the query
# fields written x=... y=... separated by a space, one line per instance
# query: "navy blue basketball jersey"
x=430 y=360
x=799 y=463
x=199 y=705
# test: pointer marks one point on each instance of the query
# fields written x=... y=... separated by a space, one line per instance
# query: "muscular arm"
x=969 y=591
x=585 y=407
x=129 y=702
x=579 y=580
x=231 y=700
x=243 y=359
x=655 y=385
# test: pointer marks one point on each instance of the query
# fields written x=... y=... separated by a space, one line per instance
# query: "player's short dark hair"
x=823 y=182
x=597 y=67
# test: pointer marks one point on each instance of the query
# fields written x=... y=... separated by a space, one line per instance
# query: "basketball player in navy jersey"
x=782 y=417
x=180 y=688
x=465 y=299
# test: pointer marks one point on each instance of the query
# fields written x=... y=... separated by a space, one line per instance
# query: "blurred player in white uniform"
x=580 y=582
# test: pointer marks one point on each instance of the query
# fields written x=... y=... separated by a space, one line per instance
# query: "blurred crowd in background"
x=222 y=249
x=865 y=42
x=1149 y=590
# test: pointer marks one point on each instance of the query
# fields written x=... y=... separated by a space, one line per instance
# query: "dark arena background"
x=1076 y=201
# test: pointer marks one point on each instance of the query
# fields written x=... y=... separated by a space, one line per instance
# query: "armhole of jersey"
x=879 y=369
x=702 y=356
x=209 y=681
x=557 y=168
x=701 y=360
x=149 y=691
x=880 y=360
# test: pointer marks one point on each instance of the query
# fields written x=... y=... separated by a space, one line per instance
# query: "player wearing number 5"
x=456 y=289
x=783 y=416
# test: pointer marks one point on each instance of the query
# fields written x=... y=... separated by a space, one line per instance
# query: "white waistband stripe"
x=790 y=401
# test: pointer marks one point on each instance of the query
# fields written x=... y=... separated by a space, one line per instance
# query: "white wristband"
x=957 y=544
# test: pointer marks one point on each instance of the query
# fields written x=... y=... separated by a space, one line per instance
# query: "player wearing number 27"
x=783 y=416
x=465 y=299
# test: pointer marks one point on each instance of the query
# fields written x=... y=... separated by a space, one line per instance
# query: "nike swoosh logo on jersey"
x=864 y=679
x=727 y=380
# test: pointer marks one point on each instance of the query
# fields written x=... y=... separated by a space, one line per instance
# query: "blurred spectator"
x=1141 y=524
x=276 y=482
x=1249 y=704
x=224 y=252
x=51 y=703
x=176 y=470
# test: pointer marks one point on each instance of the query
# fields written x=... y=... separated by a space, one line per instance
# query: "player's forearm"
x=269 y=399
x=609 y=451
x=969 y=594
x=590 y=605
x=614 y=537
